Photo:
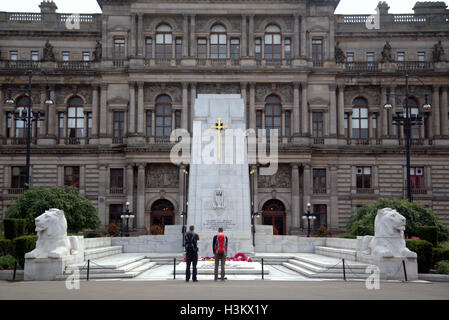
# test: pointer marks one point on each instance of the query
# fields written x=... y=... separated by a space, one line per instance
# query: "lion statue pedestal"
x=387 y=248
x=54 y=249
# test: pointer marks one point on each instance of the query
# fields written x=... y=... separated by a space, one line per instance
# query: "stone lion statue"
x=52 y=242
x=388 y=240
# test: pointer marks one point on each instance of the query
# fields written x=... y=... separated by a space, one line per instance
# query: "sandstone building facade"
x=124 y=79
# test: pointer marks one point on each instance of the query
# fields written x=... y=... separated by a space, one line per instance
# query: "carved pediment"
x=118 y=101
x=319 y=101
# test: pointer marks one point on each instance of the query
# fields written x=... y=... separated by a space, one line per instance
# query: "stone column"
x=333 y=210
x=392 y=129
x=140 y=217
x=184 y=111
x=251 y=48
x=341 y=111
x=132 y=108
x=384 y=121
x=132 y=38
x=243 y=45
x=444 y=112
x=3 y=121
x=307 y=187
x=192 y=37
x=140 y=40
x=243 y=90
x=192 y=104
x=296 y=36
x=94 y=110
x=296 y=112
x=83 y=179
x=103 y=110
x=130 y=185
x=185 y=36
x=102 y=183
x=296 y=212
x=140 y=107
x=303 y=37
x=44 y=122
x=305 y=110
x=332 y=111
x=252 y=105
x=436 y=110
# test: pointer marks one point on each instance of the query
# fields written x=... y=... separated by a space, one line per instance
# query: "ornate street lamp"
x=28 y=115
x=408 y=120
x=127 y=215
x=309 y=216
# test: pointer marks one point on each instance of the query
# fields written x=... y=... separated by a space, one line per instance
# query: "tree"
x=79 y=211
x=362 y=222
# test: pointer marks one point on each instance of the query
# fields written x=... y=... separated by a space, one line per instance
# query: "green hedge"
x=347 y=236
x=6 y=247
x=14 y=228
x=443 y=267
x=7 y=262
x=440 y=254
x=429 y=233
x=424 y=251
x=23 y=245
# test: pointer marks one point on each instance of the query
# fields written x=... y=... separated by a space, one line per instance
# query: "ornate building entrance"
x=274 y=214
x=162 y=213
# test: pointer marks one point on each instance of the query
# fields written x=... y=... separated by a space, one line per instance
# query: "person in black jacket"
x=220 y=249
x=191 y=247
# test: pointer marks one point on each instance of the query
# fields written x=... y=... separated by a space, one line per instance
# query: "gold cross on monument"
x=219 y=126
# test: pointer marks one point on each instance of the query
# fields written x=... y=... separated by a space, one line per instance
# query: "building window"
x=273 y=114
x=364 y=178
x=75 y=118
x=370 y=58
x=178 y=49
x=417 y=178
x=401 y=59
x=320 y=211
x=164 y=42
x=218 y=42
x=34 y=55
x=202 y=48
x=349 y=56
x=72 y=176
x=119 y=48
x=116 y=185
x=287 y=125
x=18 y=176
x=258 y=48
x=149 y=123
x=118 y=123
x=149 y=48
x=414 y=111
x=272 y=49
x=22 y=107
x=86 y=56
x=61 y=120
x=163 y=116
x=360 y=119
x=317 y=124
x=287 y=48
x=317 y=51
x=319 y=180
x=374 y=125
x=65 y=56
x=235 y=49
x=346 y=124
x=177 y=119
x=259 y=120
x=13 y=55
x=89 y=124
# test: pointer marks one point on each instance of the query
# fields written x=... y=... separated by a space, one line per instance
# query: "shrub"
x=14 y=228
x=429 y=233
x=322 y=232
x=443 y=267
x=114 y=230
x=93 y=234
x=7 y=262
x=347 y=236
x=362 y=222
x=22 y=245
x=440 y=254
x=6 y=247
x=423 y=249
x=79 y=211
x=156 y=230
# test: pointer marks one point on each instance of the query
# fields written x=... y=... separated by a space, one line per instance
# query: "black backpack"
x=190 y=243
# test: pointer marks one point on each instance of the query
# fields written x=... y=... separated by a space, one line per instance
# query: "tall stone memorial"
x=219 y=191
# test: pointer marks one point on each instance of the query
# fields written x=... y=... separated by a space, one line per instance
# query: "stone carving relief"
x=62 y=93
x=162 y=176
x=282 y=178
x=285 y=91
x=154 y=90
x=231 y=88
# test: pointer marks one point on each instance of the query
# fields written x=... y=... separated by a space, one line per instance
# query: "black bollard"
x=88 y=267
x=262 y=271
x=15 y=269
x=344 y=270
x=405 y=270
x=174 y=268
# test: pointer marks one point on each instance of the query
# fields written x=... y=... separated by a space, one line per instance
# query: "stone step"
x=348 y=254
x=100 y=252
x=125 y=266
x=329 y=262
x=323 y=275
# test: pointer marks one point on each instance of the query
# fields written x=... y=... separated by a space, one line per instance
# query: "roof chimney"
x=48 y=6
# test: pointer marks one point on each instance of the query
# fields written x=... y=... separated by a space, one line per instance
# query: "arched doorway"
x=162 y=213
x=273 y=213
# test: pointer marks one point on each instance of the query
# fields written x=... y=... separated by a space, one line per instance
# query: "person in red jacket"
x=220 y=248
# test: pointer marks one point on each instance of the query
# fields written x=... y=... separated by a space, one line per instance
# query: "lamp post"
x=254 y=213
x=183 y=210
x=309 y=216
x=407 y=119
x=127 y=215
x=28 y=117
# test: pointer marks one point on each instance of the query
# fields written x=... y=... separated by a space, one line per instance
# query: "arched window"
x=163 y=116
x=22 y=109
x=274 y=214
x=75 y=118
x=273 y=113
x=272 y=42
x=218 y=41
x=413 y=105
x=360 y=128
x=164 y=42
